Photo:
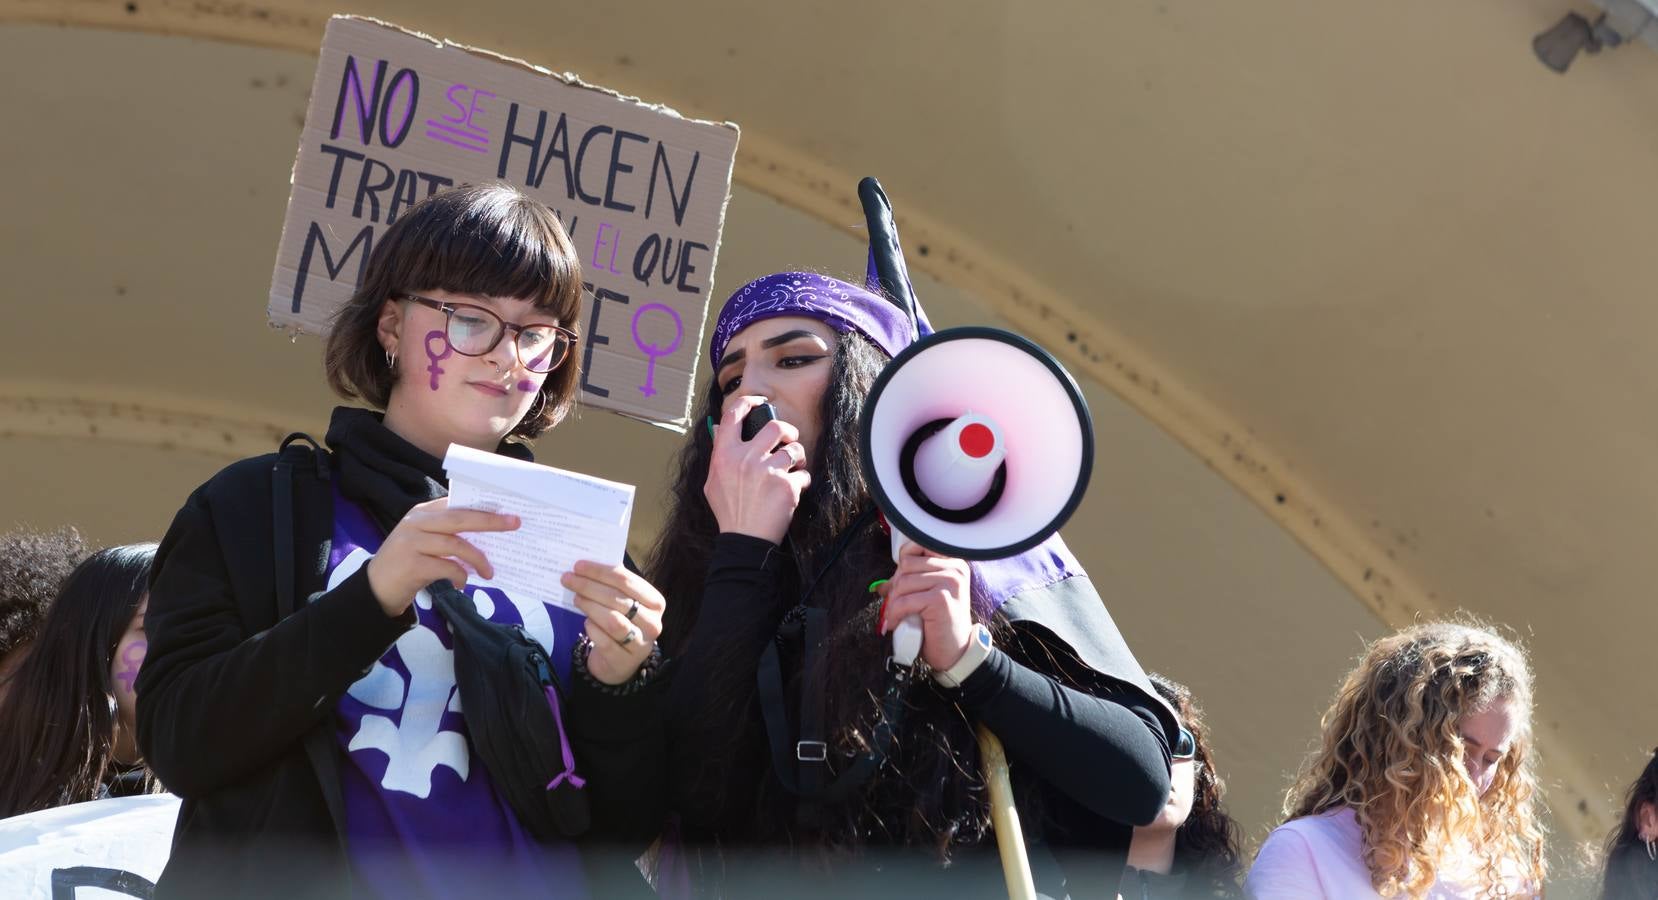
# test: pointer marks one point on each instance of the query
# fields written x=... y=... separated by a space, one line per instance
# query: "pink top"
x=1322 y=856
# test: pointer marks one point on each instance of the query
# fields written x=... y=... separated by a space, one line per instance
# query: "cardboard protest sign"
x=103 y=848
x=396 y=116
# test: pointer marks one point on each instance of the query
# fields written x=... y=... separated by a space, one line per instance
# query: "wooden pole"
x=1010 y=837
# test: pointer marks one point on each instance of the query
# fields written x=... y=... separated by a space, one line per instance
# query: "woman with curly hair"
x=1632 y=849
x=1423 y=784
x=1192 y=849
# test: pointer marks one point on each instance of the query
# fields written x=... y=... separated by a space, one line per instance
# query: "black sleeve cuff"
x=742 y=551
x=987 y=681
x=611 y=717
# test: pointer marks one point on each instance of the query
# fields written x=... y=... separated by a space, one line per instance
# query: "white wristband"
x=978 y=650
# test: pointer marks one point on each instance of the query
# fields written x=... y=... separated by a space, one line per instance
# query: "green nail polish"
x=877 y=583
x=710 y=427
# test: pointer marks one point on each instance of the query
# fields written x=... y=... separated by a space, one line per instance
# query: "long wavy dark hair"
x=1206 y=846
x=1630 y=873
x=930 y=792
x=57 y=720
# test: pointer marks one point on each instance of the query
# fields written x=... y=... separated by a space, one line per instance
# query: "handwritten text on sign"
x=396 y=117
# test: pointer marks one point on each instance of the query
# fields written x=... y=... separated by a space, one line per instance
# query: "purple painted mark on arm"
x=435 y=357
x=652 y=351
x=133 y=657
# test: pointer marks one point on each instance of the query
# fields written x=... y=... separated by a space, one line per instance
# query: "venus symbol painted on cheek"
x=448 y=351
x=133 y=657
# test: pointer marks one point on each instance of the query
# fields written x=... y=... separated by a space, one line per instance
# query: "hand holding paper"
x=564 y=517
x=624 y=618
x=425 y=547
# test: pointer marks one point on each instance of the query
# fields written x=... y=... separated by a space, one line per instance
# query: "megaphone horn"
x=976 y=443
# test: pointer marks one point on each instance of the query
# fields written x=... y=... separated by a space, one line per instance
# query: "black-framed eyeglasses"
x=1185 y=746
x=475 y=330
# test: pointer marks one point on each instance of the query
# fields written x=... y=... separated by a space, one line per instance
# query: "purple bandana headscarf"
x=841 y=306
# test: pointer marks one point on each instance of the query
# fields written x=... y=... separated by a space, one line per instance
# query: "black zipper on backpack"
x=538 y=657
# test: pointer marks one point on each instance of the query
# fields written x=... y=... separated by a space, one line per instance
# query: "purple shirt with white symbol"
x=423 y=818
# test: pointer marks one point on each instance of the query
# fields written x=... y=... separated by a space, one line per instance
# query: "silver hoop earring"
x=391 y=359
x=535 y=411
x=1652 y=850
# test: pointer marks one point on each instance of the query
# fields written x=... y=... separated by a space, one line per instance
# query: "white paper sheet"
x=566 y=516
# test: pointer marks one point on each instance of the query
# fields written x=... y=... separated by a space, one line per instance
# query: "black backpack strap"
x=290 y=455
x=802 y=766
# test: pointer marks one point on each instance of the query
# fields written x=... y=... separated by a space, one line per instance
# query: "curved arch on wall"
x=102 y=413
x=1088 y=346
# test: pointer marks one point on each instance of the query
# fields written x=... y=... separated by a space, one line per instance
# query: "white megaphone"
x=977 y=444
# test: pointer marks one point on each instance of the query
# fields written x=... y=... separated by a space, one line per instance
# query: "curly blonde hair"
x=1391 y=752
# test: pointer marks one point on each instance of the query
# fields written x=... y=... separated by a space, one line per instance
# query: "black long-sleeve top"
x=1098 y=761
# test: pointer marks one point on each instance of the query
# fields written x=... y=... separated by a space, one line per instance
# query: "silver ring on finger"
x=632 y=611
x=630 y=637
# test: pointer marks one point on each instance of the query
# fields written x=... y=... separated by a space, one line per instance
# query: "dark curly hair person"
x=33 y=565
x=1191 y=850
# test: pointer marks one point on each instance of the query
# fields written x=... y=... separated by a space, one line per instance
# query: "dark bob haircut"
x=486 y=239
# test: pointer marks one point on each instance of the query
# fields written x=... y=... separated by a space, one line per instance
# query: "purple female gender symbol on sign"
x=655 y=350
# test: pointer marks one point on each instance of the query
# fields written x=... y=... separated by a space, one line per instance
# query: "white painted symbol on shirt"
x=418 y=744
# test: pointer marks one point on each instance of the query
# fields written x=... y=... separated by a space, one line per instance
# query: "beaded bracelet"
x=642 y=678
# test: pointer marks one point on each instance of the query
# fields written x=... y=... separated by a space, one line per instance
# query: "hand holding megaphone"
x=954 y=466
x=977 y=444
x=754 y=484
x=926 y=606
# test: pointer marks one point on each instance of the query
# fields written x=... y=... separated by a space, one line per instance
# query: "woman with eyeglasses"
x=326 y=751
x=1422 y=785
x=1191 y=851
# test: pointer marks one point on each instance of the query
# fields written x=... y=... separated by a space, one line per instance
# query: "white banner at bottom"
x=101 y=849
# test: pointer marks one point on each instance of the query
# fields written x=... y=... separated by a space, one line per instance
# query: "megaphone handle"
x=906 y=635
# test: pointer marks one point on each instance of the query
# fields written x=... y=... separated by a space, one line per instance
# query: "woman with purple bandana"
x=323 y=750
x=801 y=763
